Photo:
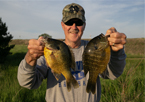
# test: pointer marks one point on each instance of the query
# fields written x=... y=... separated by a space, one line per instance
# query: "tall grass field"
x=129 y=87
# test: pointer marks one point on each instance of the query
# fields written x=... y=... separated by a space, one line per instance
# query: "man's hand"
x=116 y=39
x=35 y=50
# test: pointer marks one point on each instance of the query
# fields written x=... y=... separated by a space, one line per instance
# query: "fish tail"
x=68 y=83
x=91 y=87
x=74 y=83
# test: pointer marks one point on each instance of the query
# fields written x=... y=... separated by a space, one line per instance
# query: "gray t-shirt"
x=31 y=77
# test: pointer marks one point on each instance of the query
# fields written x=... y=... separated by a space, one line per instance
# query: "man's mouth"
x=73 y=31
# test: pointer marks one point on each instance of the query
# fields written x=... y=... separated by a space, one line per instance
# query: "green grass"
x=19 y=49
x=129 y=87
x=10 y=90
x=135 y=55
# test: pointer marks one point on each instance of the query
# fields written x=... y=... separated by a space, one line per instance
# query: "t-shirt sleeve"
x=31 y=77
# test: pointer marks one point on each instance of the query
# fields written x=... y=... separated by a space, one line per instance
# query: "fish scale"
x=95 y=59
x=60 y=59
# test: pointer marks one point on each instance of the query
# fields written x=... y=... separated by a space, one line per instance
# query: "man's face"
x=73 y=30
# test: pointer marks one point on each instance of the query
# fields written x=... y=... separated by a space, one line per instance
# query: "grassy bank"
x=10 y=90
x=129 y=87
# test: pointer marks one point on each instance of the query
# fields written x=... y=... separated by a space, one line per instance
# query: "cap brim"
x=72 y=17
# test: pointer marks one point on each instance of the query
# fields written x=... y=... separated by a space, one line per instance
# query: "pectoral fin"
x=56 y=75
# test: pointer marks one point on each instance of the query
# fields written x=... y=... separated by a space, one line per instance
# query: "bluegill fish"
x=95 y=59
x=60 y=59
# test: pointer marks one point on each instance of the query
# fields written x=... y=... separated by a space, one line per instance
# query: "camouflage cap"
x=73 y=10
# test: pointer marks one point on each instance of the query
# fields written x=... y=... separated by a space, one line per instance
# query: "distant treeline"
x=133 y=45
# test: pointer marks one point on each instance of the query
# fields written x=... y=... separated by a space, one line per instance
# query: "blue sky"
x=27 y=19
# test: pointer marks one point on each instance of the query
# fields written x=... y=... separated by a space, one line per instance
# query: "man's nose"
x=74 y=26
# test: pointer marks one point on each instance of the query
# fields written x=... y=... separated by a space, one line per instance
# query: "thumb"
x=111 y=30
x=41 y=39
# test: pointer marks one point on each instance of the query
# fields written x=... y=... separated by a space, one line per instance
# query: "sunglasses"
x=77 y=22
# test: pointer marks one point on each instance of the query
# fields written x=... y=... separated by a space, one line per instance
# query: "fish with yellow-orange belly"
x=60 y=59
x=95 y=59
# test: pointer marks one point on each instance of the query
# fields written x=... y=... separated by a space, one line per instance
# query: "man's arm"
x=32 y=69
x=31 y=77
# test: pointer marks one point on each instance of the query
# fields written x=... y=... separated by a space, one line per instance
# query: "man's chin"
x=74 y=39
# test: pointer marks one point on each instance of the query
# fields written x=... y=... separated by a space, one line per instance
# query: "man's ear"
x=84 y=26
x=62 y=25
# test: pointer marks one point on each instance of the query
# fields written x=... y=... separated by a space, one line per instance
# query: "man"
x=33 y=69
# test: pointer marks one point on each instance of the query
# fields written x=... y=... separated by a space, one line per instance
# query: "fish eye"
x=99 y=37
x=58 y=48
x=95 y=47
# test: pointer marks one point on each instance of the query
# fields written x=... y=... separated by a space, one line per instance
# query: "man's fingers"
x=116 y=41
x=117 y=47
x=108 y=32
x=111 y=30
x=36 y=42
x=40 y=38
x=118 y=35
x=35 y=53
x=35 y=47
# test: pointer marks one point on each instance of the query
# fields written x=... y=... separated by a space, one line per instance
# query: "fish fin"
x=56 y=75
x=73 y=64
x=91 y=87
x=85 y=71
x=68 y=83
x=72 y=81
x=75 y=83
x=93 y=90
